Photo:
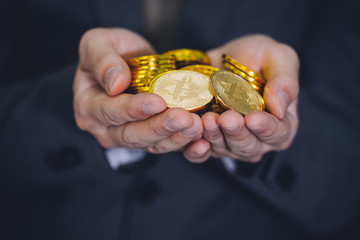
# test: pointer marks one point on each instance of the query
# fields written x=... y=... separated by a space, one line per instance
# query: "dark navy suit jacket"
x=55 y=182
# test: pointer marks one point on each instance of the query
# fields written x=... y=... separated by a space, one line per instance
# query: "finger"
x=142 y=134
x=280 y=67
x=247 y=50
x=212 y=132
x=198 y=151
x=94 y=103
x=178 y=140
x=239 y=139
x=269 y=129
x=100 y=53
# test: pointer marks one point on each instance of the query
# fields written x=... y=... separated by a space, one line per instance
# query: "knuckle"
x=87 y=36
x=80 y=105
x=129 y=139
x=92 y=33
x=271 y=128
x=154 y=149
x=254 y=160
x=134 y=111
x=241 y=136
x=249 y=151
x=106 y=143
x=160 y=130
x=283 y=146
x=108 y=115
x=288 y=50
x=252 y=148
x=82 y=123
x=219 y=151
x=179 y=141
x=103 y=60
x=104 y=140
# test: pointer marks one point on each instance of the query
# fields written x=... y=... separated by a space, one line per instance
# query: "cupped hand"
x=117 y=119
x=248 y=138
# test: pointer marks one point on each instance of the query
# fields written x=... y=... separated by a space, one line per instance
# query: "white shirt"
x=118 y=157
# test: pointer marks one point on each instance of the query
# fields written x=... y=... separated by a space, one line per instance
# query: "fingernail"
x=257 y=128
x=283 y=103
x=112 y=78
x=151 y=108
x=171 y=124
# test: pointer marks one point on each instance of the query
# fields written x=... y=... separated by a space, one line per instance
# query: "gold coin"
x=152 y=64
x=204 y=69
x=148 y=58
x=234 y=92
x=153 y=67
x=183 y=88
x=186 y=57
x=236 y=64
x=168 y=59
x=242 y=74
x=149 y=71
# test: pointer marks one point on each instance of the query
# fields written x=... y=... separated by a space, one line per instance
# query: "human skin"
x=249 y=138
x=118 y=119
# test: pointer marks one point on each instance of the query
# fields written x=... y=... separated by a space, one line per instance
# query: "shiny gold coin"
x=150 y=71
x=167 y=60
x=139 y=84
x=242 y=74
x=153 y=64
x=204 y=69
x=149 y=58
x=234 y=92
x=242 y=68
x=186 y=57
x=183 y=88
x=153 y=67
x=137 y=90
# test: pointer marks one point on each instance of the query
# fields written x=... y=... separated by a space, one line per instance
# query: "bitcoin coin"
x=234 y=92
x=183 y=88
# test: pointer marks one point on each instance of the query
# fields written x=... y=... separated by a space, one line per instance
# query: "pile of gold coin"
x=144 y=69
x=185 y=79
x=254 y=79
x=186 y=57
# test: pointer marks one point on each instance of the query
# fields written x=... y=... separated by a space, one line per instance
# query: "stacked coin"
x=254 y=79
x=185 y=79
x=186 y=57
x=144 y=69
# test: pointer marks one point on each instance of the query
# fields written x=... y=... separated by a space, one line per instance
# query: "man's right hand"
x=117 y=119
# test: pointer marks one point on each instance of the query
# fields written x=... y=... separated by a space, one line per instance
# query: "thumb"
x=102 y=53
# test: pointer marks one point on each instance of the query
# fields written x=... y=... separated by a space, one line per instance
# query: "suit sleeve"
x=315 y=182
